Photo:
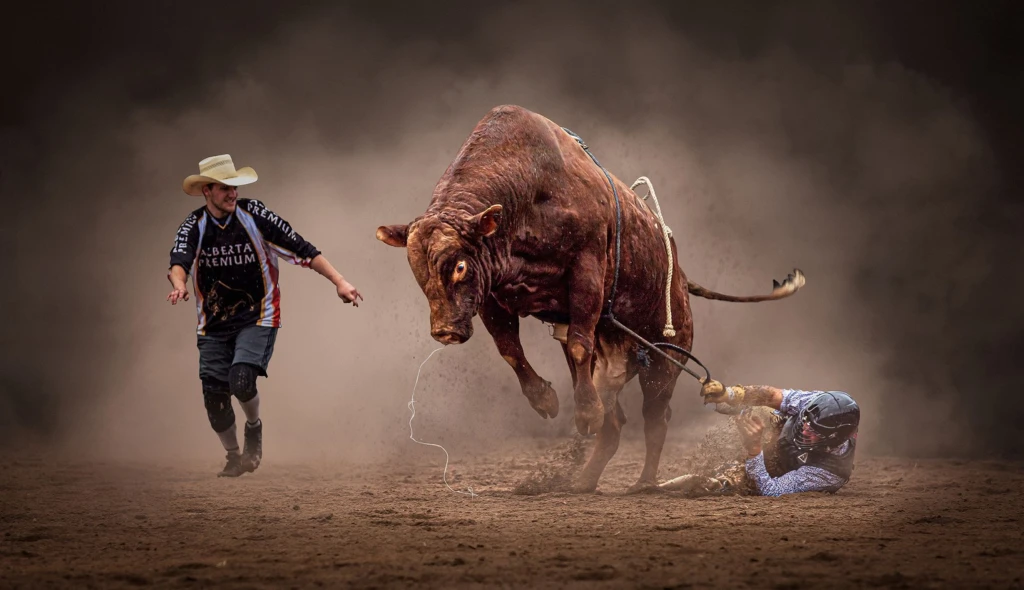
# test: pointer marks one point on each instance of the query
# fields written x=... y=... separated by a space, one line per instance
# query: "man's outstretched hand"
x=714 y=392
x=346 y=290
x=348 y=293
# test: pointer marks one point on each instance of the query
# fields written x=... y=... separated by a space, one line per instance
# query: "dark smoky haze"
x=874 y=147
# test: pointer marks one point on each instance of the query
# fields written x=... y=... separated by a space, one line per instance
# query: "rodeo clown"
x=230 y=246
x=812 y=437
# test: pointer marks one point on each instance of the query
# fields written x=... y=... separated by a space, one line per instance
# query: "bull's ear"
x=487 y=222
x=393 y=235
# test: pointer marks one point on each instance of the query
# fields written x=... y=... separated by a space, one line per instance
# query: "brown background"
x=875 y=147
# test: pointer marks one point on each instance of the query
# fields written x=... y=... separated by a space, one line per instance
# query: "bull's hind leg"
x=657 y=383
x=604 y=450
x=612 y=370
x=504 y=329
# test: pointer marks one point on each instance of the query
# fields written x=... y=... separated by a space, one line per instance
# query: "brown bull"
x=523 y=223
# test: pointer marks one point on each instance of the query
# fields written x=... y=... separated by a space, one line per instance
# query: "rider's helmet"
x=828 y=421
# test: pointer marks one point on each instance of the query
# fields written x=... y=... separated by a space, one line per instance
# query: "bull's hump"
x=511 y=150
x=509 y=109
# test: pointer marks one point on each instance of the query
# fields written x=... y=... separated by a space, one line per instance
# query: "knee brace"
x=218 y=406
x=242 y=379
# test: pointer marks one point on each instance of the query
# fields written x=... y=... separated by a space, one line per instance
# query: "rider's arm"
x=804 y=479
x=762 y=395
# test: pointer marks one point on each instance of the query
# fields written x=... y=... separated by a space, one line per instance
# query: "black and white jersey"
x=233 y=263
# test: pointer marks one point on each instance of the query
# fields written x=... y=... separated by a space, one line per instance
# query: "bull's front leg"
x=504 y=329
x=586 y=300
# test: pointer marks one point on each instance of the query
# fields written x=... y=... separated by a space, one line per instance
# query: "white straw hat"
x=219 y=169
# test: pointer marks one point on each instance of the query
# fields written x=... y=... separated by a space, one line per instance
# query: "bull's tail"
x=790 y=285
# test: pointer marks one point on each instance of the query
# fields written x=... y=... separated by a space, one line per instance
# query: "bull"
x=525 y=223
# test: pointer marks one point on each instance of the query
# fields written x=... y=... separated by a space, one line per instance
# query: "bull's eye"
x=460 y=271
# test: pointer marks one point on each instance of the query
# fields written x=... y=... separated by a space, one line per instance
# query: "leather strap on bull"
x=666 y=232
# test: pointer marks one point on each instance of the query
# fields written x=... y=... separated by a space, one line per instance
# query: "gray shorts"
x=217 y=352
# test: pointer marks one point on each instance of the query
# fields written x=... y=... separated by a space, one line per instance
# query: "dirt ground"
x=899 y=524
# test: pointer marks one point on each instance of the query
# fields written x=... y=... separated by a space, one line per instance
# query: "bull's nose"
x=448 y=337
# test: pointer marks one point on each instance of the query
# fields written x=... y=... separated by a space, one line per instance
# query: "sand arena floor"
x=898 y=524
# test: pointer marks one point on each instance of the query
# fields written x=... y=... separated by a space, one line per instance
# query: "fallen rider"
x=812 y=437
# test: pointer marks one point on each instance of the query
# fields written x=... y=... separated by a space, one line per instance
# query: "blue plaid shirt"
x=804 y=479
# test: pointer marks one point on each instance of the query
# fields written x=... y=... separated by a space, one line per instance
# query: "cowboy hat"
x=219 y=169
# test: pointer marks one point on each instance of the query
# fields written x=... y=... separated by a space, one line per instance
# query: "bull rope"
x=610 y=316
x=668 y=331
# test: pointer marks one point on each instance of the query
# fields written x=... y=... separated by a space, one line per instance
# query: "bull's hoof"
x=584 y=485
x=643 y=487
x=543 y=400
x=589 y=418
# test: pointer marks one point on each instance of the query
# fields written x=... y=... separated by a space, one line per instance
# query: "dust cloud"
x=862 y=172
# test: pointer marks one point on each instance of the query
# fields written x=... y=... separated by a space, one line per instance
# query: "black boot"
x=253 y=452
x=234 y=467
